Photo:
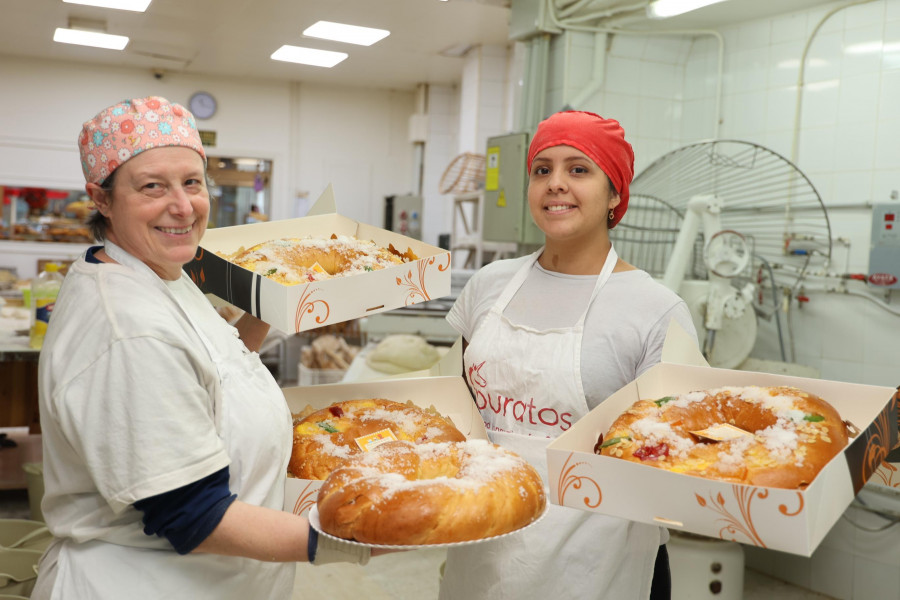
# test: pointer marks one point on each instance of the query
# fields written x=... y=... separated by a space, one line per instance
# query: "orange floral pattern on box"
x=740 y=525
x=416 y=290
x=308 y=307
x=887 y=472
x=568 y=480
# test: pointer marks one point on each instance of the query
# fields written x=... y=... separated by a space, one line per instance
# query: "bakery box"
x=449 y=395
x=793 y=521
x=297 y=308
x=888 y=474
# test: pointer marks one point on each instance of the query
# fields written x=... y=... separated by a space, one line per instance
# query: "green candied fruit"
x=271 y=272
x=662 y=401
x=615 y=440
x=327 y=426
x=813 y=418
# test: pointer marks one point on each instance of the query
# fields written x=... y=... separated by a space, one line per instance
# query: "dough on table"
x=401 y=353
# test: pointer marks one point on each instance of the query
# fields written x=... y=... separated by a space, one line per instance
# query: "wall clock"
x=203 y=105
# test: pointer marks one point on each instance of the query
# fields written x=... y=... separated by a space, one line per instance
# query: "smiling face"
x=158 y=207
x=570 y=196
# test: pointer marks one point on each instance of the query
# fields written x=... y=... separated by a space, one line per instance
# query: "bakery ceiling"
x=236 y=38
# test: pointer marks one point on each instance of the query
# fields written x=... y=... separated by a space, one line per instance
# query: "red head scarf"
x=603 y=140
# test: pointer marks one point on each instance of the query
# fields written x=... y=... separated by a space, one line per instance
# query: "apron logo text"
x=521 y=411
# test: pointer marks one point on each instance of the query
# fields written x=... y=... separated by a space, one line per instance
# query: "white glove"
x=324 y=550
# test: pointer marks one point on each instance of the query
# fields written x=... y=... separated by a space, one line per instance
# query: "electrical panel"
x=506 y=217
x=884 y=254
x=403 y=215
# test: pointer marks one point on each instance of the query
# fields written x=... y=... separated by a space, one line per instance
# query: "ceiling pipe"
x=798 y=106
x=639 y=8
x=569 y=12
x=537 y=57
x=568 y=24
x=419 y=122
x=795 y=150
x=597 y=78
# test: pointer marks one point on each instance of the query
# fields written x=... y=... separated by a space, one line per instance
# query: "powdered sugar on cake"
x=292 y=261
x=781 y=439
x=482 y=463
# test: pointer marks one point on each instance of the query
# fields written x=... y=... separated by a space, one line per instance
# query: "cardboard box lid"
x=449 y=395
x=315 y=304
x=322 y=217
x=681 y=347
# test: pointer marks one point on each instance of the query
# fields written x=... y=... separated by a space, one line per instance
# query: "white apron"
x=249 y=401
x=528 y=389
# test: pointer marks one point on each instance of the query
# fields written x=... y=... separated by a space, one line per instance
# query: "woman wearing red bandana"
x=548 y=337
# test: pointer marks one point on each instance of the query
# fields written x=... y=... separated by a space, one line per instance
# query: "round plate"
x=313 y=517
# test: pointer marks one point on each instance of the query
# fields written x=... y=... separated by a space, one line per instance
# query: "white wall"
x=441 y=146
x=44 y=104
x=356 y=139
x=486 y=104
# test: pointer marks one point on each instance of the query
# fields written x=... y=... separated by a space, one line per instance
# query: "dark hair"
x=612 y=189
x=96 y=221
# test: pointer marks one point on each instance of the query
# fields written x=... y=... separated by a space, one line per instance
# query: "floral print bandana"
x=130 y=127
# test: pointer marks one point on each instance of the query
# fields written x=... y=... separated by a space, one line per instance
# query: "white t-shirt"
x=624 y=330
x=106 y=369
x=131 y=407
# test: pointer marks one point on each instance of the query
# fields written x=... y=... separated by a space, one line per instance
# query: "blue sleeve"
x=187 y=515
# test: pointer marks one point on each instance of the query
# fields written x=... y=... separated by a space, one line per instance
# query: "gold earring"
x=612 y=215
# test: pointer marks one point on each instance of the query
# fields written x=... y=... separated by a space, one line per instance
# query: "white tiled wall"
x=846 y=143
x=845 y=138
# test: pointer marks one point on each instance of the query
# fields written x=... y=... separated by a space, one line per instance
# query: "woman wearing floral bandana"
x=166 y=440
x=548 y=337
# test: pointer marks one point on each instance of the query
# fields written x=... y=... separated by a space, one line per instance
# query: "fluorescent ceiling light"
x=135 y=5
x=351 y=34
x=90 y=38
x=663 y=9
x=308 y=56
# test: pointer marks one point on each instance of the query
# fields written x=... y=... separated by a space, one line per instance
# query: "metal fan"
x=729 y=225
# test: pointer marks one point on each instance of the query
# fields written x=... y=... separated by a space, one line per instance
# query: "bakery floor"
x=413 y=575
